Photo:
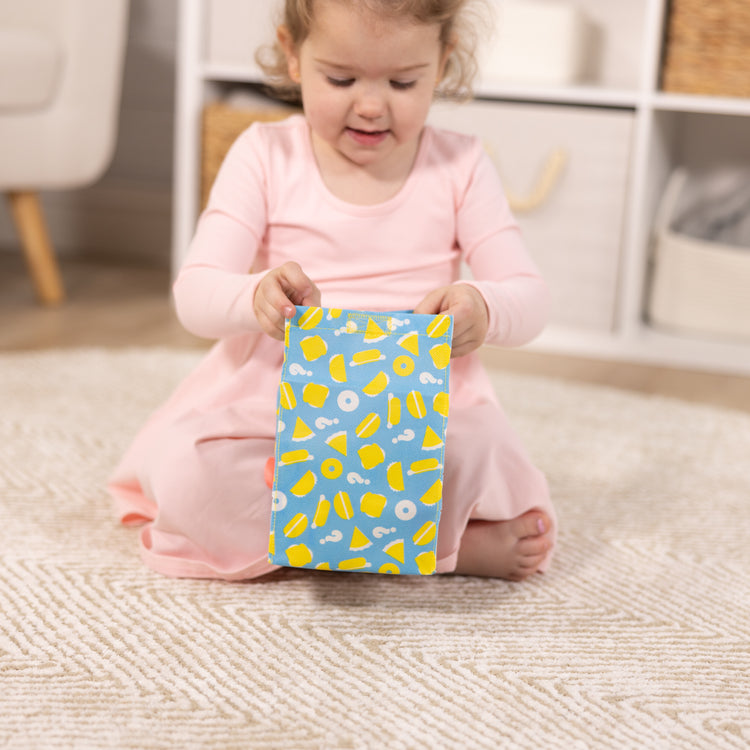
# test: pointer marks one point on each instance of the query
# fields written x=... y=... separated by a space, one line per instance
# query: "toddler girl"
x=356 y=204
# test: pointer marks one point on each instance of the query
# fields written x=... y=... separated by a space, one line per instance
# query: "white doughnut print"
x=348 y=401
x=405 y=510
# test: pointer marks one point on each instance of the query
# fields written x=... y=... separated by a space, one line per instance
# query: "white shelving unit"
x=667 y=130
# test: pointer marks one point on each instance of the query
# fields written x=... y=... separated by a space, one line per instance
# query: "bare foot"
x=505 y=549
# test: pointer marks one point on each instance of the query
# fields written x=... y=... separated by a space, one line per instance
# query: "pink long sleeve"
x=215 y=287
x=516 y=295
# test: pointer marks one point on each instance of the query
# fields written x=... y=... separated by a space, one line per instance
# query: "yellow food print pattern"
x=360 y=443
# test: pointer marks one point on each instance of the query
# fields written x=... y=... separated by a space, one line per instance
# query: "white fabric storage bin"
x=699 y=286
x=565 y=170
x=236 y=28
x=544 y=42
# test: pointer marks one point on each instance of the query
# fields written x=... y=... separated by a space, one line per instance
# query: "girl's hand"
x=470 y=317
x=279 y=291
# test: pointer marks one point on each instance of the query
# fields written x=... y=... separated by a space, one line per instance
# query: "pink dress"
x=193 y=476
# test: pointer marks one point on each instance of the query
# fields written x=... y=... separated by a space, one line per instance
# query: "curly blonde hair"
x=459 y=26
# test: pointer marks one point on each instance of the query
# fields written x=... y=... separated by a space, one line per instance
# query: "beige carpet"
x=639 y=637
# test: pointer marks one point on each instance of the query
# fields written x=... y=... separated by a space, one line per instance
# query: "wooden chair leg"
x=40 y=255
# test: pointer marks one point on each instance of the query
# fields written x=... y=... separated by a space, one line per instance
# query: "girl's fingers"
x=432 y=304
x=296 y=285
x=278 y=293
x=470 y=317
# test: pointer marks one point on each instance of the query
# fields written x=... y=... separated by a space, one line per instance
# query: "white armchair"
x=61 y=67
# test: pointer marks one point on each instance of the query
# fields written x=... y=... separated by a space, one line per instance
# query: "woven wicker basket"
x=708 y=48
x=222 y=124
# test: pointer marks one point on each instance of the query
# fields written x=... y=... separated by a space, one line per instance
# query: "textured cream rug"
x=639 y=636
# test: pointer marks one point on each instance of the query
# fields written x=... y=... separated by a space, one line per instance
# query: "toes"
x=531 y=524
x=524 y=570
x=533 y=546
x=526 y=566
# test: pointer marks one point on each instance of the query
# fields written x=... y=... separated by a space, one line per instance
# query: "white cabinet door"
x=236 y=28
x=575 y=233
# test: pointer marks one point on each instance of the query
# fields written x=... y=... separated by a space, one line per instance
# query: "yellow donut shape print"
x=363 y=406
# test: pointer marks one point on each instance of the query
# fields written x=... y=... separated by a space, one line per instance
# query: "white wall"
x=127 y=214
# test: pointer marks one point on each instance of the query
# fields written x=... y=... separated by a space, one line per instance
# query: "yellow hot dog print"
x=286 y=397
x=355 y=563
x=394 y=410
x=321 y=513
x=367 y=356
x=295 y=457
x=425 y=464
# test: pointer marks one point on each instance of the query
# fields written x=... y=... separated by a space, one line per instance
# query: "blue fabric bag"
x=360 y=442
